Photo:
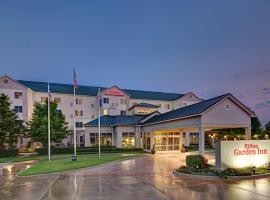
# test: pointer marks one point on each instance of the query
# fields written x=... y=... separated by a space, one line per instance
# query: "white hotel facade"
x=132 y=118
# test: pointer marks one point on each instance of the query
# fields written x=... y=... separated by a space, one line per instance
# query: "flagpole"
x=74 y=121
x=99 y=106
x=49 y=124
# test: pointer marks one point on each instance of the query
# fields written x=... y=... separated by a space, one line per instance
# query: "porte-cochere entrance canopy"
x=165 y=131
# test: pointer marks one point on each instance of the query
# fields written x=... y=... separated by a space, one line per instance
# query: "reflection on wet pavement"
x=139 y=178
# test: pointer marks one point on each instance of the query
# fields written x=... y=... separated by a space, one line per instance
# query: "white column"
x=119 y=140
x=137 y=136
x=151 y=140
x=87 y=139
x=187 y=139
x=248 y=133
x=201 y=140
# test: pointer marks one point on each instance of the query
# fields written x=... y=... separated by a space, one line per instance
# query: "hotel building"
x=131 y=118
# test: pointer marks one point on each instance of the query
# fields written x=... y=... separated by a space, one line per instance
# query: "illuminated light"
x=234 y=139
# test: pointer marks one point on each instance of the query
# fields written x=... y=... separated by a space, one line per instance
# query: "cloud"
x=241 y=96
x=237 y=75
x=263 y=105
x=266 y=90
x=266 y=70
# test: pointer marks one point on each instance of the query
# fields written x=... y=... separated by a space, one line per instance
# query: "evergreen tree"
x=256 y=127
x=11 y=127
x=267 y=128
x=38 y=126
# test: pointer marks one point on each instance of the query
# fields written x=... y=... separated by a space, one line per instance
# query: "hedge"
x=84 y=150
x=8 y=153
x=196 y=162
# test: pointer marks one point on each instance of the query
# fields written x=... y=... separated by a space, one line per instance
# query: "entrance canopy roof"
x=194 y=110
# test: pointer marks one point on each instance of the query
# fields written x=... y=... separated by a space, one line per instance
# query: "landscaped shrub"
x=196 y=162
x=84 y=150
x=8 y=153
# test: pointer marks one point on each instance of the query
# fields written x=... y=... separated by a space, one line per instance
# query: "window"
x=128 y=140
x=44 y=99
x=5 y=81
x=79 y=125
x=79 y=113
x=18 y=95
x=116 y=104
x=59 y=111
x=105 y=139
x=123 y=112
x=227 y=107
x=92 y=105
x=93 y=116
x=18 y=109
x=167 y=106
x=122 y=101
x=105 y=112
x=79 y=101
x=106 y=100
x=57 y=99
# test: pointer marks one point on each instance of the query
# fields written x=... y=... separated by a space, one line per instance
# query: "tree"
x=11 y=127
x=256 y=127
x=267 y=128
x=38 y=125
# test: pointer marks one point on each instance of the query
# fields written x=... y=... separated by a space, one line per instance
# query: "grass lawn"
x=63 y=164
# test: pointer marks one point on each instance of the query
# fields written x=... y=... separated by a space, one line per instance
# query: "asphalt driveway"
x=139 y=178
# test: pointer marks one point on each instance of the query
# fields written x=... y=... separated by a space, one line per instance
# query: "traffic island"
x=197 y=167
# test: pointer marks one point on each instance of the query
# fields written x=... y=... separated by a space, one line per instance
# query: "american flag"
x=49 y=94
x=100 y=100
x=75 y=82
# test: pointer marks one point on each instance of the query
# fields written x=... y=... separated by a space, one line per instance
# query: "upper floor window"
x=79 y=101
x=59 y=111
x=79 y=124
x=123 y=101
x=93 y=116
x=92 y=105
x=168 y=106
x=44 y=99
x=18 y=109
x=18 y=95
x=106 y=100
x=57 y=99
x=79 y=113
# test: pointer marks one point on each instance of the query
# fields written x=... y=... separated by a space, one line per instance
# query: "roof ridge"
x=136 y=90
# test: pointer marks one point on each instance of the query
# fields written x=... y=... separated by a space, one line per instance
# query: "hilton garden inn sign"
x=243 y=153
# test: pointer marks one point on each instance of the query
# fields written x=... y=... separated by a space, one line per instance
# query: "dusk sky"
x=207 y=47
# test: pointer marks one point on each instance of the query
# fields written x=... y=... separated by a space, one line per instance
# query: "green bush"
x=85 y=150
x=8 y=153
x=196 y=162
x=247 y=171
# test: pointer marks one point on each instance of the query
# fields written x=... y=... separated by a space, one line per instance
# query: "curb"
x=229 y=178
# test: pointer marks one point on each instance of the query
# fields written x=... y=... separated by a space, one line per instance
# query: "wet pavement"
x=141 y=178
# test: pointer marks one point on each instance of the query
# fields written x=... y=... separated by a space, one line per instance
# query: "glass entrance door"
x=169 y=141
